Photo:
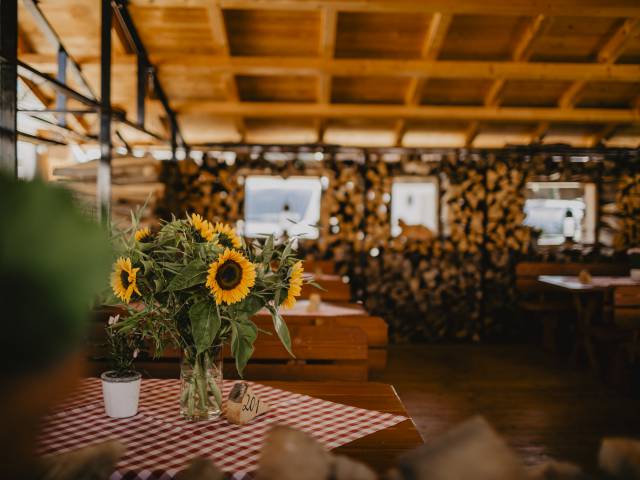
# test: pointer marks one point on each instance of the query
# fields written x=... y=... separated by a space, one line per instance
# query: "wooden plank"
x=596 y=8
x=328 y=26
x=604 y=134
x=265 y=65
x=515 y=114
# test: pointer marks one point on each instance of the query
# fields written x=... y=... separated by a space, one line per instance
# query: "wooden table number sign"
x=243 y=405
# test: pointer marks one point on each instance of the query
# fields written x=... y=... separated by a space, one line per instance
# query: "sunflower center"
x=229 y=275
x=124 y=278
x=225 y=241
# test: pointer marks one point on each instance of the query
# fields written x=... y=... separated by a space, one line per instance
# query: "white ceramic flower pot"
x=120 y=394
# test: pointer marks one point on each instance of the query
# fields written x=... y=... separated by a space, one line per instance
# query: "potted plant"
x=121 y=383
x=194 y=285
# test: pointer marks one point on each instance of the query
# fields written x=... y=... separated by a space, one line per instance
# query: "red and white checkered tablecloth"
x=159 y=443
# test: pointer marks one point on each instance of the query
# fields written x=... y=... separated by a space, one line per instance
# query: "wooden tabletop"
x=325 y=309
x=574 y=284
x=378 y=450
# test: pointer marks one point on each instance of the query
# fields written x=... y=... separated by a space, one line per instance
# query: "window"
x=415 y=202
x=561 y=209
x=277 y=205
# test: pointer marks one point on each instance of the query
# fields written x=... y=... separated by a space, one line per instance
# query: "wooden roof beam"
x=328 y=27
x=618 y=41
x=595 y=8
x=507 y=70
x=221 y=38
x=433 y=40
x=536 y=27
x=471 y=133
x=603 y=135
x=540 y=132
x=611 y=49
x=516 y=114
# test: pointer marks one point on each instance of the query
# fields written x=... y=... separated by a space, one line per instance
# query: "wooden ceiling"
x=430 y=73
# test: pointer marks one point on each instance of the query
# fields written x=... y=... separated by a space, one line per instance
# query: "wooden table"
x=378 y=450
x=326 y=309
x=589 y=302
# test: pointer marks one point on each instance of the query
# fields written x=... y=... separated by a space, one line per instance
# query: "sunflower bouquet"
x=194 y=285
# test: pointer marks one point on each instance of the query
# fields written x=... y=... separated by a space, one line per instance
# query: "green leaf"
x=252 y=304
x=267 y=251
x=281 y=329
x=192 y=274
x=243 y=335
x=205 y=324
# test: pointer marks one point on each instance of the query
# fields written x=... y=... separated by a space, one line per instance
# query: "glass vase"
x=201 y=384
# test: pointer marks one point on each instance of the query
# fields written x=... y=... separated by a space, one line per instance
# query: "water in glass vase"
x=201 y=384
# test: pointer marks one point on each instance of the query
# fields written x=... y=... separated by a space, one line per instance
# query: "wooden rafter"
x=328 y=26
x=247 y=65
x=607 y=54
x=221 y=38
x=433 y=40
x=515 y=114
x=604 y=134
x=594 y=8
x=541 y=130
x=535 y=28
x=471 y=133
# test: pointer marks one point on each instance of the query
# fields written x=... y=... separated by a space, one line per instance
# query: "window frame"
x=430 y=179
x=589 y=234
x=317 y=176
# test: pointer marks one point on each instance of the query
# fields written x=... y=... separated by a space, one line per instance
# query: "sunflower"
x=143 y=235
x=202 y=227
x=123 y=279
x=295 y=285
x=227 y=236
x=230 y=277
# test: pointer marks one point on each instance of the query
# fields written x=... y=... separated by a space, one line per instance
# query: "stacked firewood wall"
x=458 y=284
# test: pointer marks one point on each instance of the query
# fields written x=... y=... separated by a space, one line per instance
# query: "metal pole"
x=104 y=166
x=8 y=86
x=142 y=89
x=61 y=99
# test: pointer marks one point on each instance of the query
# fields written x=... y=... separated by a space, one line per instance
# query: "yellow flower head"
x=202 y=227
x=295 y=285
x=123 y=279
x=143 y=234
x=227 y=236
x=231 y=277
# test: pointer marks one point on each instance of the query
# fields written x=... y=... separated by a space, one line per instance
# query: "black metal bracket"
x=8 y=86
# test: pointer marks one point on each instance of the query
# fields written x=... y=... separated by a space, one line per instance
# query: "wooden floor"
x=544 y=408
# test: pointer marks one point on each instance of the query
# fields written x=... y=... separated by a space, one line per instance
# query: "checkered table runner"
x=159 y=443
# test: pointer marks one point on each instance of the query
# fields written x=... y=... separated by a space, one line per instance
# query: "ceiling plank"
x=595 y=8
x=516 y=114
x=221 y=39
x=507 y=70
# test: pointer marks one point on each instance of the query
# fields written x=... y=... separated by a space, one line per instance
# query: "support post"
x=104 y=167
x=142 y=89
x=61 y=98
x=8 y=86
x=174 y=138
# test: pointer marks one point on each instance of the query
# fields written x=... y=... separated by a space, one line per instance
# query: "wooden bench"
x=544 y=302
x=375 y=329
x=321 y=353
x=334 y=289
x=320 y=266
